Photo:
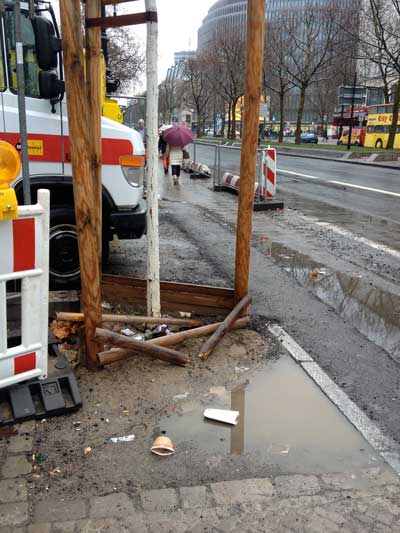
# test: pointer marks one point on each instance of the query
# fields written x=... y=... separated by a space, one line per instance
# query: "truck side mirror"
x=50 y=86
x=47 y=44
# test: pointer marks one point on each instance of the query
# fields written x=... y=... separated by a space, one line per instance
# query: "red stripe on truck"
x=52 y=148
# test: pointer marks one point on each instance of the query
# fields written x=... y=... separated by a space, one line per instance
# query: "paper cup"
x=163 y=446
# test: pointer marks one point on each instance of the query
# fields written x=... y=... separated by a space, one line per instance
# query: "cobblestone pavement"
x=290 y=503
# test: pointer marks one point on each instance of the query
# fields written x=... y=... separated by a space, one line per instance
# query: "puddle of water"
x=285 y=420
x=372 y=311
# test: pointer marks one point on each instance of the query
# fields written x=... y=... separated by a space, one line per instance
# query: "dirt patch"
x=132 y=397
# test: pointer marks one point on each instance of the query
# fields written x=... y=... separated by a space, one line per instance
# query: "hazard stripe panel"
x=24 y=363
x=24 y=244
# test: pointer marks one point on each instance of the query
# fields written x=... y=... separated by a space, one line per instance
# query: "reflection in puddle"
x=285 y=420
x=374 y=312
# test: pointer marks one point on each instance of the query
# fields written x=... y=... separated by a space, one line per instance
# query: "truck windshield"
x=31 y=68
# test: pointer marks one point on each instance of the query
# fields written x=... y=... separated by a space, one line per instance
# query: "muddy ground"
x=136 y=397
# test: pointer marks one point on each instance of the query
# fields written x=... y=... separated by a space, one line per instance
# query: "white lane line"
x=357 y=238
x=343 y=183
x=385 y=446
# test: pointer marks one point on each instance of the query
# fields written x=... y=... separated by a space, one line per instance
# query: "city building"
x=229 y=18
x=178 y=68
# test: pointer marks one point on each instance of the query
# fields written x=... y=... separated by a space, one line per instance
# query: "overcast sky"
x=179 y=21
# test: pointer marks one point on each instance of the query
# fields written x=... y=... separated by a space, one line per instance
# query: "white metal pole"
x=153 y=254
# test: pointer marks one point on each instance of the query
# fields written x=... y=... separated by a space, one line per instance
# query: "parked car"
x=309 y=137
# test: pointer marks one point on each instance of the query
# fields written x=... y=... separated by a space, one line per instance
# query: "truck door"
x=44 y=126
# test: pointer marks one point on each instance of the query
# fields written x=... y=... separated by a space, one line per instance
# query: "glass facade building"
x=230 y=16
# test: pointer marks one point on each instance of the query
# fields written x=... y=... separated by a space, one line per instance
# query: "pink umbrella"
x=178 y=136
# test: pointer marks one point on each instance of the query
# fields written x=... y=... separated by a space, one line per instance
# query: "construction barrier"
x=265 y=187
x=24 y=255
x=199 y=168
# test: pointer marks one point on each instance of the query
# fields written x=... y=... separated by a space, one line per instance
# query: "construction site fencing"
x=24 y=245
x=224 y=163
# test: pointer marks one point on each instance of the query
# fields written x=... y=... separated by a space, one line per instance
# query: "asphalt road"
x=361 y=199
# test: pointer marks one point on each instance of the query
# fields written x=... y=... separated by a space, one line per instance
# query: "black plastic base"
x=198 y=176
x=40 y=398
x=268 y=205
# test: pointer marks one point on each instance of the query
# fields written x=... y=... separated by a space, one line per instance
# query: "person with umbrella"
x=162 y=147
x=177 y=138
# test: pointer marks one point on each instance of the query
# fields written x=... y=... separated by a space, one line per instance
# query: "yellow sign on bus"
x=378 y=127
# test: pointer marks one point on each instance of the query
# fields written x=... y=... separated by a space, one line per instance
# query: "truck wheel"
x=379 y=143
x=64 y=257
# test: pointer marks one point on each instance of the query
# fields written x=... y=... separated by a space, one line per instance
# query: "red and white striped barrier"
x=200 y=168
x=233 y=182
x=24 y=255
x=269 y=173
x=265 y=188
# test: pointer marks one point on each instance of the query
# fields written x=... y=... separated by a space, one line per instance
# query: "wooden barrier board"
x=196 y=299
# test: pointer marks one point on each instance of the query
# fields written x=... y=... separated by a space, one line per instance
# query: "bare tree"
x=125 y=57
x=315 y=38
x=225 y=70
x=275 y=72
x=168 y=98
x=380 y=43
x=197 y=89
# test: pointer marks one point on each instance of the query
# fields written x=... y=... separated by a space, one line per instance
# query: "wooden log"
x=223 y=329
x=93 y=87
x=80 y=147
x=118 y=354
x=158 y=352
x=129 y=319
x=248 y=160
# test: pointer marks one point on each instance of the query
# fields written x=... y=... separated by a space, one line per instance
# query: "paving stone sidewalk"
x=292 y=503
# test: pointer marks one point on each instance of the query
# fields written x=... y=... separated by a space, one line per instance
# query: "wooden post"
x=248 y=161
x=81 y=160
x=153 y=259
x=94 y=105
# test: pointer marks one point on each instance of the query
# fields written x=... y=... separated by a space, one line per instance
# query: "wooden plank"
x=248 y=160
x=131 y=19
x=168 y=285
x=84 y=200
x=202 y=300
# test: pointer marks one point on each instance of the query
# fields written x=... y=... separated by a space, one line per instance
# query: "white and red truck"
x=124 y=209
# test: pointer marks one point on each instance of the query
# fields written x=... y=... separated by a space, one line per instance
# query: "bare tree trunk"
x=300 y=114
x=393 y=126
x=234 y=104
x=200 y=121
x=282 y=115
x=229 y=121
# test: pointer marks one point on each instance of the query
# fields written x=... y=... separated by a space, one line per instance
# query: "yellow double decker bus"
x=378 y=126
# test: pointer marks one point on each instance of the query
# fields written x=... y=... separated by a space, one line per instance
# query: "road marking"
x=385 y=446
x=343 y=183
